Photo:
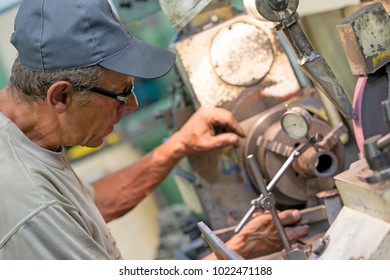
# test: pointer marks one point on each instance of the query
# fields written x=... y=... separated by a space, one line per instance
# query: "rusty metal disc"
x=241 y=54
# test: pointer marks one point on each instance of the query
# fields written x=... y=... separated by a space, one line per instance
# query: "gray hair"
x=34 y=84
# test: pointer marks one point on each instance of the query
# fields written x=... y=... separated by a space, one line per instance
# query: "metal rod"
x=280 y=228
x=281 y=171
x=257 y=174
x=244 y=220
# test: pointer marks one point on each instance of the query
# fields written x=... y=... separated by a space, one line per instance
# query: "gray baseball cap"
x=65 y=34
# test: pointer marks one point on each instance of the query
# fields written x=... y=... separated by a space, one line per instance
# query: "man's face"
x=95 y=120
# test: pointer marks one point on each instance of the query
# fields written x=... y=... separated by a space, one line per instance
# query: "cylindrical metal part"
x=272 y=10
x=316 y=163
x=280 y=227
x=278 y=5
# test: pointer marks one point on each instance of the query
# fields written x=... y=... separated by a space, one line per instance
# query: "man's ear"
x=59 y=96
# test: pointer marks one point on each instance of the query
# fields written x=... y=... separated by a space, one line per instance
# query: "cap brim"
x=141 y=60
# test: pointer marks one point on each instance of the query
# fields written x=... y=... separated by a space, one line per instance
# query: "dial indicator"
x=296 y=122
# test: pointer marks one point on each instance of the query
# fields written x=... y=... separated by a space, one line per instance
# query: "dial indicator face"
x=296 y=122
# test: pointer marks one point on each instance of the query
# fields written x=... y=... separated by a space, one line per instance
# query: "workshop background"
x=152 y=229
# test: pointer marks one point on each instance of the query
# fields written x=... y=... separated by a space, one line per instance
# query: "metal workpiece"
x=365 y=37
x=316 y=163
x=319 y=160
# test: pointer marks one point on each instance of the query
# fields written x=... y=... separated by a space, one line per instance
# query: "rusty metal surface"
x=316 y=67
x=207 y=88
x=365 y=36
x=241 y=54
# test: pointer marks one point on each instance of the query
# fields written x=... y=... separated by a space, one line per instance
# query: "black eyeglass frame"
x=121 y=97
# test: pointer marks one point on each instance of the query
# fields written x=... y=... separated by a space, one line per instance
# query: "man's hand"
x=209 y=128
x=260 y=237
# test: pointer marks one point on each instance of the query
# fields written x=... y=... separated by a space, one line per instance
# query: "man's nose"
x=131 y=103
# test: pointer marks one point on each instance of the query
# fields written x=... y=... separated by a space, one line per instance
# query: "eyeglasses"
x=121 y=97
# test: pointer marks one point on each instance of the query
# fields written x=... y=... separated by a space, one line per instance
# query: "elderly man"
x=70 y=85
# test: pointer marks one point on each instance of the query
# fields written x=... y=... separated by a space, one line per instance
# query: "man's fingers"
x=228 y=121
x=225 y=139
x=294 y=233
x=236 y=128
x=289 y=217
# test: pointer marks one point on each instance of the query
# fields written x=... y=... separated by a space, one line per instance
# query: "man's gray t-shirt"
x=45 y=210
